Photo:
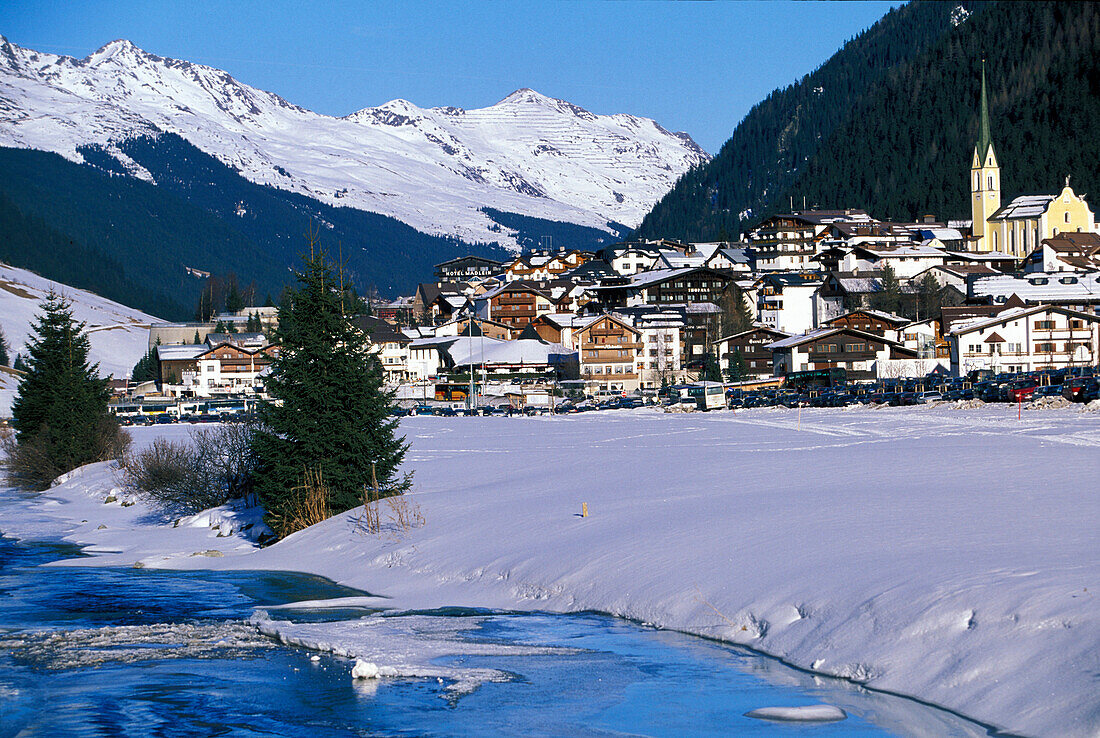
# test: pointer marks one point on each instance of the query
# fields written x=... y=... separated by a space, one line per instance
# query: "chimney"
x=929 y=219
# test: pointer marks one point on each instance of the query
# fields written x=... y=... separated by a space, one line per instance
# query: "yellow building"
x=1020 y=226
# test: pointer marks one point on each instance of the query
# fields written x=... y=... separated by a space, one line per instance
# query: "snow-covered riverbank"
x=946 y=554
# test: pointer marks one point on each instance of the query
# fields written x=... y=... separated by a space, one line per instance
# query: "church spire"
x=985 y=140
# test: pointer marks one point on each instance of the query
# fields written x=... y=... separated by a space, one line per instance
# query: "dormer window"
x=1068 y=280
x=1038 y=280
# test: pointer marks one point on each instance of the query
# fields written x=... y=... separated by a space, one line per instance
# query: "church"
x=1023 y=224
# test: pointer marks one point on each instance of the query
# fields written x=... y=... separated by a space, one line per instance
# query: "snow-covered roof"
x=803 y=338
x=564 y=320
x=971 y=324
x=483 y=350
x=676 y=260
x=1024 y=206
x=907 y=251
x=655 y=276
x=881 y=315
x=825 y=333
x=1040 y=286
x=177 y=353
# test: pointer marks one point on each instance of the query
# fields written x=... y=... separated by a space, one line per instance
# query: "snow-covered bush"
x=213 y=467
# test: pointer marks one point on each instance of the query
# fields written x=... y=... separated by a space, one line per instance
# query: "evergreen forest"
x=889 y=122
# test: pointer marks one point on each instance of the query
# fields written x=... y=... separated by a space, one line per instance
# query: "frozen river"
x=134 y=652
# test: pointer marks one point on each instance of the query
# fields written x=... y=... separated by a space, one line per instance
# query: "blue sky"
x=693 y=66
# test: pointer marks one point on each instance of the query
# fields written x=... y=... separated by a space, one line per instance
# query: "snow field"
x=118 y=335
x=944 y=553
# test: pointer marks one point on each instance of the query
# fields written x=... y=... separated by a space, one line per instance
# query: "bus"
x=452 y=392
x=708 y=395
x=830 y=377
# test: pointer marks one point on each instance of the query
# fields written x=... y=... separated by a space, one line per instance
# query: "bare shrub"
x=210 y=469
x=35 y=463
x=404 y=514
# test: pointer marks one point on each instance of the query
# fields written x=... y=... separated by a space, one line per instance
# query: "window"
x=1075 y=324
x=1067 y=216
x=1044 y=325
x=1044 y=348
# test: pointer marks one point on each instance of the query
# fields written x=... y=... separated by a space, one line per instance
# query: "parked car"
x=1080 y=389
x=1021 y=389
x=927 y=397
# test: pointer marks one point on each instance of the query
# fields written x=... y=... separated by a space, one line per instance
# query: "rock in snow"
x=364 y=670
x=431 y=168
x=801 y=714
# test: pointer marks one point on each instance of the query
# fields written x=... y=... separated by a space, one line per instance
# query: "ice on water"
x=404 y=646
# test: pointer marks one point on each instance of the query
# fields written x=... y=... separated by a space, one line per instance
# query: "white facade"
x=424 y=359
x=920 y=337
x=906 y=261
x=1026 y=339
x=660 y=357
x=632 y=261
x=794 y=310
x=394 y=356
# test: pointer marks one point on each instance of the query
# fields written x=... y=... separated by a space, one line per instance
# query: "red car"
x=1022 y=390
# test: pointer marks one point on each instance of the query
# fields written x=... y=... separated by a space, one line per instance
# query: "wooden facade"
x=753 y=347
x=609 y=349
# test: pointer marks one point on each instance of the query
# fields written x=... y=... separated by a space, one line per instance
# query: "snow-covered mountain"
x=433 y=168
x=118 y=335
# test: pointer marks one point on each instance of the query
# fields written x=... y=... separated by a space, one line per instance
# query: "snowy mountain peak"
x=120 y=51
x=435 y=169
x=525 y=95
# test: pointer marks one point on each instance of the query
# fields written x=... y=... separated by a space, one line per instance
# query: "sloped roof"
x=1040 y=286
x=754 y=329
x=980 y=323
x=819 y=333
x=186 y=351
x=883 y=316
x=1024 y=206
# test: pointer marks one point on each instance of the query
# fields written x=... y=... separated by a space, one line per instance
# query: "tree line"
x=324 y=442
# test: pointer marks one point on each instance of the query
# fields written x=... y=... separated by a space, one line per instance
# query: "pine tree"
x=145 y=370
x=711 y=371
x=735 y=366
x=5 y=360
x=234 y=300
x=929 y=297
x=60 y=413
x=19 y=365
x=889 y=299
x=197 y=340
x=329 y=417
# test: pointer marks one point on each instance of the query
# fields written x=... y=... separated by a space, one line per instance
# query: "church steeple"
x=985 y=181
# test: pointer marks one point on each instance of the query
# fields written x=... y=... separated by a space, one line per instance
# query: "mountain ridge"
x=432 y=168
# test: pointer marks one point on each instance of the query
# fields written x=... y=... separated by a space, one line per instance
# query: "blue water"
x=129 y=652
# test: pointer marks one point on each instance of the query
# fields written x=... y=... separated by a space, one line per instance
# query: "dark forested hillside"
x=888 y=123
x=132 y=241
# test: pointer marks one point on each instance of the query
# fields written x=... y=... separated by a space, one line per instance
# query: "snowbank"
x=949 y=554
